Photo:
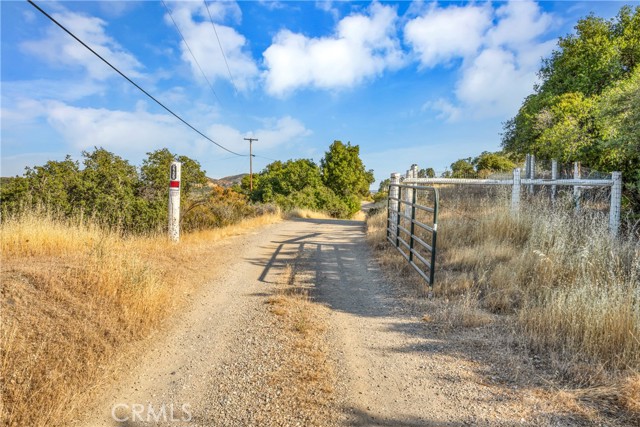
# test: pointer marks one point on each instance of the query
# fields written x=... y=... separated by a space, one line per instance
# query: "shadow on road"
x=334 y=260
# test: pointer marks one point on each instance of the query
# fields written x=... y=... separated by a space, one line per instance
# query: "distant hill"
x=227 y=181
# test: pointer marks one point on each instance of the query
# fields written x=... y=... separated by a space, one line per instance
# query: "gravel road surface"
x=211 y=365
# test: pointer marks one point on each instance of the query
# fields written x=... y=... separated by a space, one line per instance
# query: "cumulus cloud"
x=133 y=133
x=519 y=22
x=493 y=83
x=500 y=51
x=121 y=131
x=193 y=20
x=445 y=110
x=363 y=46
x=57 y=48
x=279 y=131
x=442 y=34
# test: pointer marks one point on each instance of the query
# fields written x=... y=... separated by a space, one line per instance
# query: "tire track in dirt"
x=399 y=370
x=395 y=370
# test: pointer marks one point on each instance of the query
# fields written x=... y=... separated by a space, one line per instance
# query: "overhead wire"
x=233 y=83
x=224 y=56
x=263 y=157
x=131 y=81
x=175 y=24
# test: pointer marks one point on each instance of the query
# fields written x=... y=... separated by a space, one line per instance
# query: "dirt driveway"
x=212 y=364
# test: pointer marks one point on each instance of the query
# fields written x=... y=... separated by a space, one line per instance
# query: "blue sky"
x=409 y=82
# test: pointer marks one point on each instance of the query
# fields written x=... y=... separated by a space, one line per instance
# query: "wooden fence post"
x=515 y=192
x=614 y=207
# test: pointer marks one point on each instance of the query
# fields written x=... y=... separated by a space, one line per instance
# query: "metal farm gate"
x=412 y=225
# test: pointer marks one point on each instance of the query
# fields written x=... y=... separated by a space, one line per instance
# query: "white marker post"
x=174 y=201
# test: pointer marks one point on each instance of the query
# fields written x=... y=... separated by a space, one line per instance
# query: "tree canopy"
x=586 y=105
x=343 y=171
x=335 y=186
x=115 y=193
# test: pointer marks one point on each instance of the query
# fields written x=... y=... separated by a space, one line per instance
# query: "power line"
x=190 y=51
x=131 y=81
x=263 y=157
x=221 y=49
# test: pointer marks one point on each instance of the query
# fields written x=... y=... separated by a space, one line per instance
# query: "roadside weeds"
x=308 y=370
x=75 y=297
x=482 y=288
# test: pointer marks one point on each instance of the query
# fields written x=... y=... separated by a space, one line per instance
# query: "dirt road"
x=212 y=365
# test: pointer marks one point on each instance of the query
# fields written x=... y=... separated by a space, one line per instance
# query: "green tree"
x=627 y=32
x=426 y=173
x=283 y=179
x=463 y=168
x=600 y=53
x=108 y=189
x=568 y=129
x=384 y=185
x=55 y=185
x=618 y=116
x=493 y=162
x=585 y=108
x=344 y=173
x=154 y=185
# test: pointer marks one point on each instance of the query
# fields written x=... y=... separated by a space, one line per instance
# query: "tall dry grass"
x=573 y=290
x=74 y=296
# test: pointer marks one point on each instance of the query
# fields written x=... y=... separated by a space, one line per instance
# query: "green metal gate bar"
x=406 y=226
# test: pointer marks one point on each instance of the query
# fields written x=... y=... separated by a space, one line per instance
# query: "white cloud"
x=519 y=23
x=494 y=84
x=193 y=21
x=500 y=51
x=131 y=134
x=59 y=49
x=121 y=131
x=328 y=6
x=442 y=34
x=363 y=46
x=273 y=132
x=446 y=110
x=280 y=131
x=63 y=90
x=272 y=4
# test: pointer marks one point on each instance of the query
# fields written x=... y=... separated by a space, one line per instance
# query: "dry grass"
x=74 y=296
x=311 y=214
x=307 y=214
x=308 y=371
x=572 y=290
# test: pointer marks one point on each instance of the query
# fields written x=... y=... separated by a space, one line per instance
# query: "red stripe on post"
x=174 y=184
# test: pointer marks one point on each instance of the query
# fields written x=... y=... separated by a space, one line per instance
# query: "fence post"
x=616 y=199
x=393 y=205
x=577 y=193
x=412 y=225
x=407 y=194
x=174 y=201
x=515 y=192
x=532 y=172
x=398 y=217
x=554 y=176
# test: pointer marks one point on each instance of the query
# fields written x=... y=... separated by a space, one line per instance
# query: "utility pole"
x=250 y=162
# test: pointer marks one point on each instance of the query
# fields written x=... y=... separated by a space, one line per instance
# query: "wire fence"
x=583 y=184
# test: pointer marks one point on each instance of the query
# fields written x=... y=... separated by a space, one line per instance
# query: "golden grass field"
x=569 y=289
x=75 y=295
